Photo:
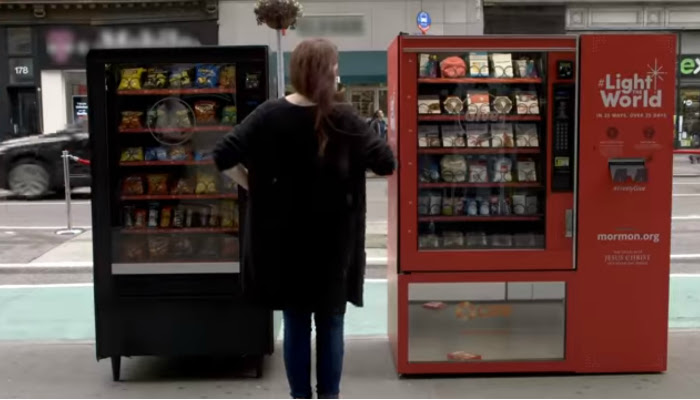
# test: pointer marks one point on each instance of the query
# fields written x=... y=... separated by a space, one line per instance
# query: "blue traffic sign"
x=423 y=20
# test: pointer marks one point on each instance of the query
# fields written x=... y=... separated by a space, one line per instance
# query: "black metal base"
x=116 y=368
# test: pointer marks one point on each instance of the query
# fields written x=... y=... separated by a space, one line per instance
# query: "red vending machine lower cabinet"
x=495 y=323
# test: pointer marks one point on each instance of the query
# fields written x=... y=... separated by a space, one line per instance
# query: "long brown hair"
x=312 y=74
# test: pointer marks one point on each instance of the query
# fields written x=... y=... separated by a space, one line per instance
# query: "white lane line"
x=686 y=194
x=685 y=256
x=39 y=228
x=686 y=183
x=46 y=285
x=685 y=217
x=63 y=264
x=45 y=203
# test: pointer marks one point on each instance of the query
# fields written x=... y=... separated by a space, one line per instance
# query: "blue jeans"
x=329 y=353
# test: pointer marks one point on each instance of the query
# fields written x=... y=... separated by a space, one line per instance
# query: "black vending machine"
x=165 y=222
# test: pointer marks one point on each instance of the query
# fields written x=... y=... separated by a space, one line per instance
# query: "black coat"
x=303 y=232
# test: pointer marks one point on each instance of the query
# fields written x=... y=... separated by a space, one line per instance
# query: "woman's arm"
x=235 y=146
x=238 y=174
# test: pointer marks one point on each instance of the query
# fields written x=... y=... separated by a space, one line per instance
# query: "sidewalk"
x=69 y=370
x=683 y=167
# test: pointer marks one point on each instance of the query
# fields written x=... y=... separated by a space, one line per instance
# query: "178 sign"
x=21 y=70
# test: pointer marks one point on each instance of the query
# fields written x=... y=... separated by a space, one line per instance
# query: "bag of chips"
x=156 y=78
x=165 y=217
x=180 y=153
x=132 y=186
x=183 y=186
x=157 y=184
x=133 y=249
x=156 y=154
x=205 y=112
x=158 y=118
x=132 y=154
x=131 y=120
x=182 y=247
x=131 y=79
x=229 y=115
x=227 y=77
x=229 y=214
x=207 y=76
x=181 y=78
x=206 y=184
x=158 y=246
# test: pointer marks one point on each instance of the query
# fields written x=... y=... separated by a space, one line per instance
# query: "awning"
x=354 y=67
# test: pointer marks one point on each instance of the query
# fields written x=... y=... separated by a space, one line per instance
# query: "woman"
x=378 y=125
x=304 y=224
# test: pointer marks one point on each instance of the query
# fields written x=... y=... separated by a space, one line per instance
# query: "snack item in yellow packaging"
x=229 y=214
x=156 y=78
x=131 y=79
x=132 y=154
x=206 y=184
x=157 y=184
x=227 y=77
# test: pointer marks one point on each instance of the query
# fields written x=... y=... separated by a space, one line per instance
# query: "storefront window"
x=368 y=99
x=76 y=96
x=19 y=41
x=689 y=118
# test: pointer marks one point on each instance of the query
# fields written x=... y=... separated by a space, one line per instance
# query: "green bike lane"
x=46 y=313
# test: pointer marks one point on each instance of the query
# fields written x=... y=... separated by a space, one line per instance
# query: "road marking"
x=686 y=194
x=64 y=264
x=686 y=183
x=46 y=285
x=685 y=256
x=40 y=228
x=45 y=203
x=685 y=217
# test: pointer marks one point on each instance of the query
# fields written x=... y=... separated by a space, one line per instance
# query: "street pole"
x=66 y=184
x=280 y=65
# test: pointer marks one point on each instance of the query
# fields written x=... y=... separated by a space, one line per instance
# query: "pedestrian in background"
x=305 y=158
x=378 y=124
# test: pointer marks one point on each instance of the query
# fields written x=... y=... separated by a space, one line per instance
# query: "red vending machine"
x=529 y=223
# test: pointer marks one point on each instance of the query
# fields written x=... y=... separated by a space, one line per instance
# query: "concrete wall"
x=381 y=21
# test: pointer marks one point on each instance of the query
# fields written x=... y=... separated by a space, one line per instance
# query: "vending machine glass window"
x=486 y=321
x=175 y=212
x=481 y=150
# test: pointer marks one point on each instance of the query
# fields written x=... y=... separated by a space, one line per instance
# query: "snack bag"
x=131 y=120
x=181 y=78
x=207 y=76
x=132 y=154
x=160 y=118
x=229 y=115
x=133 y=249
x=156 y=154
x=180 y=117
x=157 y=184
x=156 y=78
x=132 y=186
x=183 y=186
x=229 y=215
x=158 y=246
x=182 y=246
x=165 y=217
x=131 y=79
x=205 y=112
x=206 y=184
x=227 y=77
x=179 y=153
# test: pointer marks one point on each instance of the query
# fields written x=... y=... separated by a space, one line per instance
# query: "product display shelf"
x=180 y=197
x=177 y=230
x=484 y=80
x=478 y=118
x=205 y=128
x=447 y=185
x=168 y=92
x=479 y=150
x=164 y=163
x=476 y=218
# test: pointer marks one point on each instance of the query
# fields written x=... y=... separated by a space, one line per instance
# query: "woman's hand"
x=238 y=174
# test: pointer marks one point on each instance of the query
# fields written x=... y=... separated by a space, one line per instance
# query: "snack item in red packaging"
x=140 y=217
x=131 y=120
x=183 y=186
x=207 y=76
x=153 y=209
x=453 y=67
x=229 y=115
x=158 y=247
x=463 y=356
x=205 y=112
x=227 y=77
x=132 y=154
x=156 y=78
x=157 y=184
x=132 y=186
x=131 y=79
x=434 y=305
x=165 y=217
x=230 y=247
x=206 y=184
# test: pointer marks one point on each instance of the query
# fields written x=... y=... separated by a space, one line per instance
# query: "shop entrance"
x=24 y=114
x=689 y=118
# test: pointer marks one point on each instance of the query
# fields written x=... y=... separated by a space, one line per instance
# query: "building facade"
x=43 y=48
x=362 y=29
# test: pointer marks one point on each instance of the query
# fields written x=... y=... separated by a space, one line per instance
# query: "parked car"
x=32 y=166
